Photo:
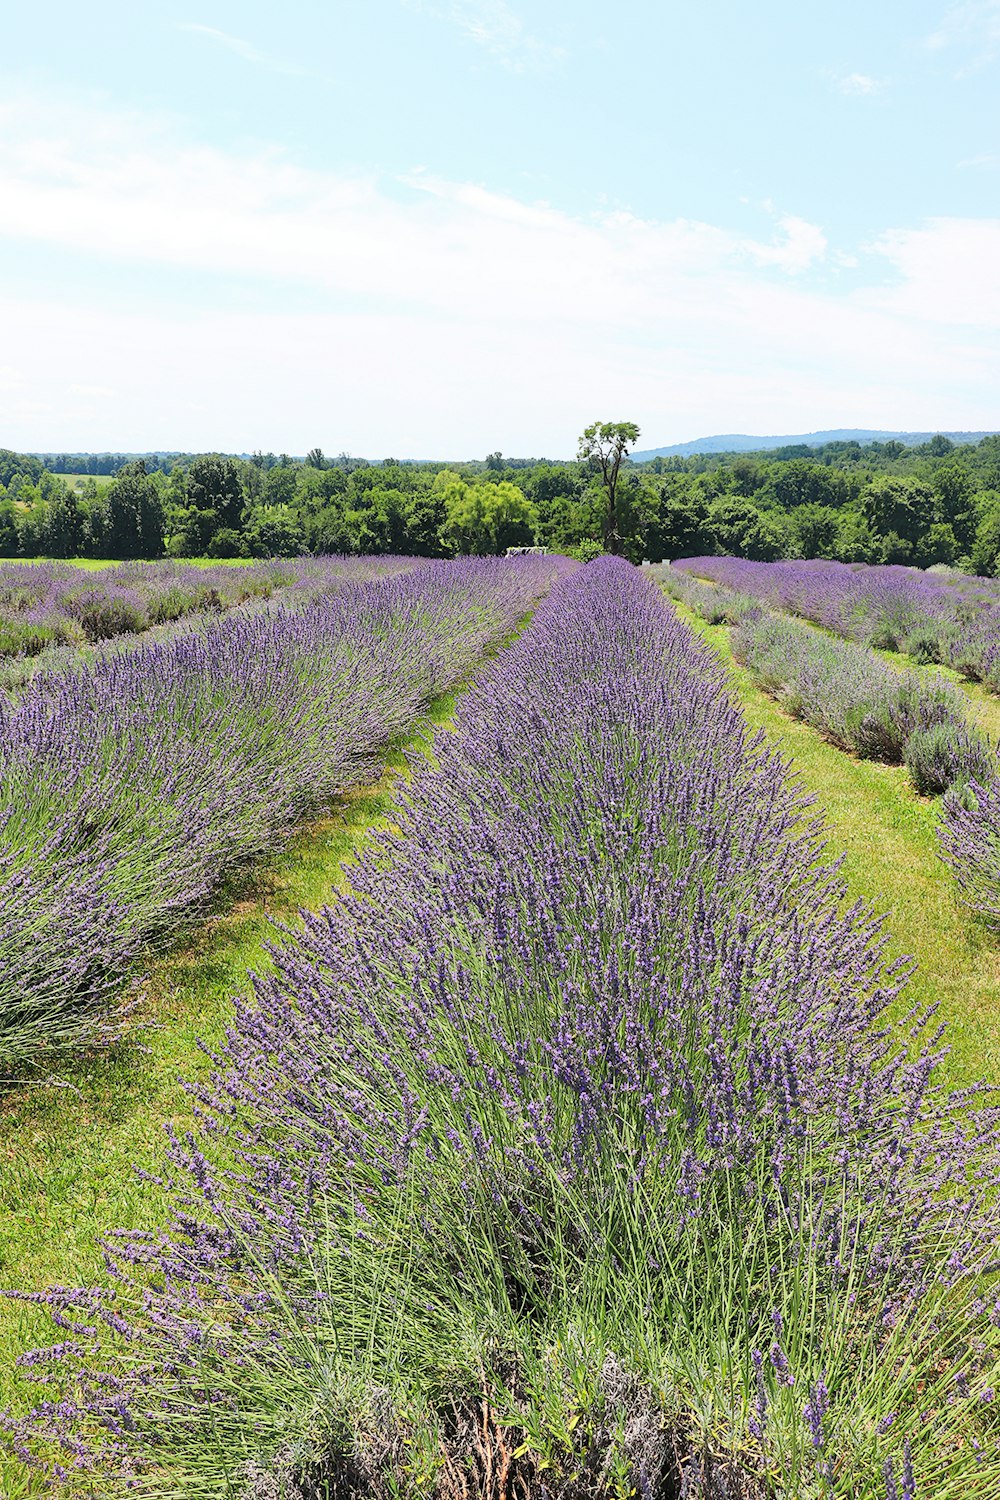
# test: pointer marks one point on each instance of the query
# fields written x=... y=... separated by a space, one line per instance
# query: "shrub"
x=102 y=615
x=20 y=637
x=586 y=550
x=923 y=644
x=943 y=754
x=876 y=733
x=970 y=844
x=170 y=603
x=884 y=638
x=226 y=543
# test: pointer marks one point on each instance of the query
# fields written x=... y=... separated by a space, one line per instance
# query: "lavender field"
x=130 y=787
x=942 y=617
x=48 y=605
x=833 y=678
x=587 y=1145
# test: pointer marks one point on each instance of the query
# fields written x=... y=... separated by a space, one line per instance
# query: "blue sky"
x=439 y=227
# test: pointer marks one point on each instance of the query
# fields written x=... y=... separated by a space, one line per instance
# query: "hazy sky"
x=439 y=227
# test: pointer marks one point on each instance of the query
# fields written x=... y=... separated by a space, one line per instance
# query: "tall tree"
x=603 y=446
x=133 y=514
x=485 y=518
x=213 y=484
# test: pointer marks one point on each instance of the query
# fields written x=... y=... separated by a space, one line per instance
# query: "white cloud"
x=242 y=48
x=433 y=318
x=947 y=273
x=973 y=25
x=859 y=84
x=803 y=244
x=493 y=25
x=448 y=246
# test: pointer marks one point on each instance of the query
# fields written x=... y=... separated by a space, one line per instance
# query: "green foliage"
x=586 y=551
x=9 y=536
x=484 y=518
x=273 y=531
x=225 y=543
x=883 y=502
x=986 y=546
x=128 y=520
x=901 y=507
x=213 y=484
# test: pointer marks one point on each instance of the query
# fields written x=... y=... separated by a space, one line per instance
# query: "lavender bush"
x=946 y=755
x=131 y=786
x=970 y=843
x=714 y=604
x=860 y=702
x=573 y=1152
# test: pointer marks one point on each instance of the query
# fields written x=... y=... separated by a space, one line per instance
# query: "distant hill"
x=741 y=442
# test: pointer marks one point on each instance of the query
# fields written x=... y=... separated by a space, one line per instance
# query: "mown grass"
x=68 y=1148
x=887 y=834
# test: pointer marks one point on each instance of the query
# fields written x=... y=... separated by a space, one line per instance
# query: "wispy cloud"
x=859 y=84
x=242 y=48
x=462 y=319
x=972 y=26
x=494 y=26
x=95 y=392
x=985 y=161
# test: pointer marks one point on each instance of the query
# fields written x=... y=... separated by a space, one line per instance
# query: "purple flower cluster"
x=52 y=604
x=945 y=618
x=592 y=1043
x=969 y=837
x=132 y=785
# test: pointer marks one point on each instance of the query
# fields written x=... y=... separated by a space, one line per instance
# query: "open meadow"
x=460 y=1036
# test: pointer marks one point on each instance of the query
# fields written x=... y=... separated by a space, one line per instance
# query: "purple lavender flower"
x=815 y=1409
x=592 y=1020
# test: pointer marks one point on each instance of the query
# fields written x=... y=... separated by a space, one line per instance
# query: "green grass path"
x=887 y=834
x=67 y=1152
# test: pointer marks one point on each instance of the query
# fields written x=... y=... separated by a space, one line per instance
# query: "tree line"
x=879 y=502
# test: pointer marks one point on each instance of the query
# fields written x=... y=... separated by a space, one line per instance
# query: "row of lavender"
x=844 y=690
x=131 y=787
x=54 y=604
x=573 y=1152
x=855 y=698
x=946 y=618
x=864 y=706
